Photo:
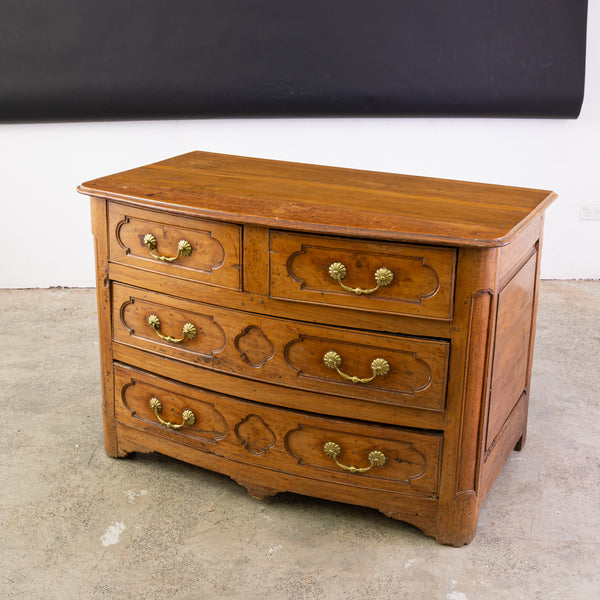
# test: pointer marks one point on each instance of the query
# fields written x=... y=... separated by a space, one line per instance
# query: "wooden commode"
x=356 y=336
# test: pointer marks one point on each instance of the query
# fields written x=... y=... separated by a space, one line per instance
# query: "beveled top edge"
x=320 y=199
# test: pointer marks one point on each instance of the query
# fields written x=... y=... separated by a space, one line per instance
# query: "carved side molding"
x=475 y=389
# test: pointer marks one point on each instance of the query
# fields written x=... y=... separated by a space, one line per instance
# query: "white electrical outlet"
x=590 y=213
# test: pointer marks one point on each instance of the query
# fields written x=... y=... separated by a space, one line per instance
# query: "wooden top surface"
x=313 y=198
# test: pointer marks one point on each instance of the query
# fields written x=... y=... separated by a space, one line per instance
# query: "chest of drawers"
x=355 y=336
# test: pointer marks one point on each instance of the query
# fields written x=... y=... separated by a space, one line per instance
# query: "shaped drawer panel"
x=195 y=249
x=382 y=277
x=315 y=447
x=374 y=367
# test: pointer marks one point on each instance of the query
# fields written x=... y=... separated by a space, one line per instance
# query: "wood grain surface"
x=328 y=199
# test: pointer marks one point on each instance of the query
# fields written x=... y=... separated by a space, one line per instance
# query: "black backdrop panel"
x=104 y=59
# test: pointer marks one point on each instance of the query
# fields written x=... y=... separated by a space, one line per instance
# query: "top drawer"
x=157 y=242
x=382 y=277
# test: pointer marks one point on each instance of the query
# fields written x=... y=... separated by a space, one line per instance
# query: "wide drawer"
x=335 y=450
x=382 y=277
x=195 y=249
x=392 y=369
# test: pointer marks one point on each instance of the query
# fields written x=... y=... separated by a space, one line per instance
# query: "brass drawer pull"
x=184 y=248
x=375 y=458
x=189 y=331
x=189 y=418
x=379 y=366
x=338 y=271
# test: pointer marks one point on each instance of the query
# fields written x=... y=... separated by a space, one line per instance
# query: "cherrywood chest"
x=356 y=336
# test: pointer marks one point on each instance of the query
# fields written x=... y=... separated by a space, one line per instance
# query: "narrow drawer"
x=195 y=249
x=373 y=367
x=382 y=277
x=333 y=450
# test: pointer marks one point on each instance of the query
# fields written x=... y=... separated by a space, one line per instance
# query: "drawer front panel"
x=212 y=256
x=285 y=352
x=386 y=458
x=392 y=278
x=147 y=400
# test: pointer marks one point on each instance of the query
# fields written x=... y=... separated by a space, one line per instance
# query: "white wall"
x=45 y=237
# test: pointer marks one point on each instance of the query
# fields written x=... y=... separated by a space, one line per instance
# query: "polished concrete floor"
x=76 y=524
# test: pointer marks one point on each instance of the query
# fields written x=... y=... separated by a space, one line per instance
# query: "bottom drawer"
x=282 y=440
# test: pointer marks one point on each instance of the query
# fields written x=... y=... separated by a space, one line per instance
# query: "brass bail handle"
x=184 y=248
x=379 y=367
x=338 y=271
x=189 y=418
x=376 y=458
x=189 y=331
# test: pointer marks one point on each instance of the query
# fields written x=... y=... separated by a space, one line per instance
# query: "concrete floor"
x=76 y=524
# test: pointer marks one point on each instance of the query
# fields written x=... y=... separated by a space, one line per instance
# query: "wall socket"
x=590 y=213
